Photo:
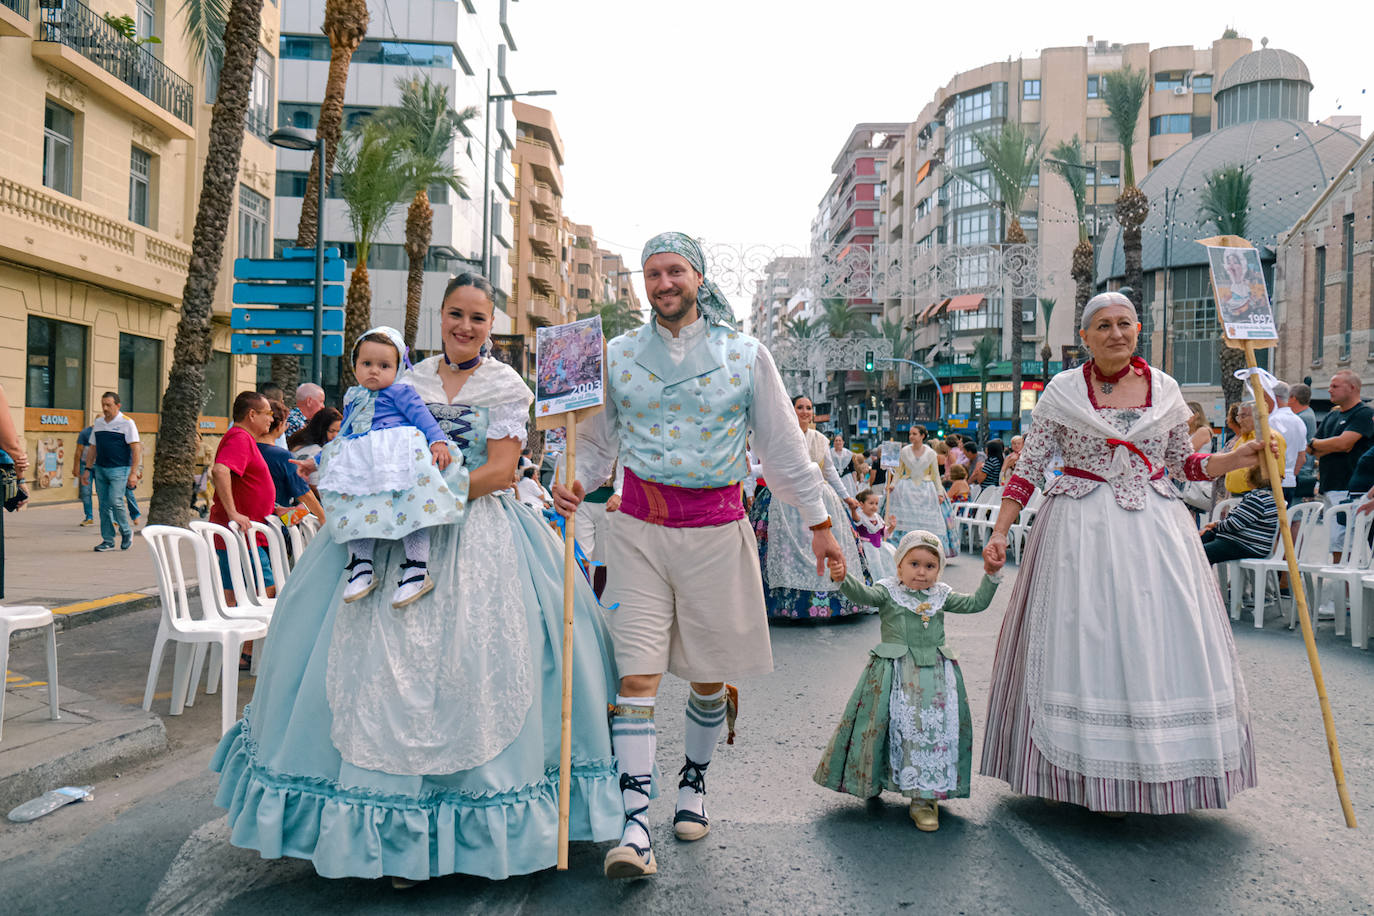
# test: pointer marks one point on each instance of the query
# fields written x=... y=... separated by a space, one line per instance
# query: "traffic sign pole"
x=317 y=352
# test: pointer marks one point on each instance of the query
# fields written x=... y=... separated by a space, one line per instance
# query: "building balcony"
x=14 y=19
x=50 y=231
x=544 y=274
x=72 y=38
x=540 y=157
x=543 y=237
x=543 y=200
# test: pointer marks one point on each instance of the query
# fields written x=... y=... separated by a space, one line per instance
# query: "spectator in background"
x=1249 y=529
x=1300 y=402
x=989 y=472
x=1232 y=425
x=83 y=482
x=942 y=460
x=877 y=473
x=1238 y=481
x=244 y=491
x=310 y=441
x=273 y=392
x=1342 y=437
x=309 y=400
x=1009 y=460
x=530 y=492
x=1199 y=430
x=290 y=488
x=114 y=460
x=973 y=460
x=956 y=448
x=958 y=484
x=1287 y=424
x=14 y=458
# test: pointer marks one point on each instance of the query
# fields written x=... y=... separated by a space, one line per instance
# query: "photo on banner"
x=568 y=367
x=890 y=456
x=1241 y=296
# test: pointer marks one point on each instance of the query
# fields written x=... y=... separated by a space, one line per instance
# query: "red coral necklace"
x=1108 y=382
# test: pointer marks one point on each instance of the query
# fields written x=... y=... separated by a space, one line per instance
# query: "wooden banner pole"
x=1295 y=582
x=569 y=593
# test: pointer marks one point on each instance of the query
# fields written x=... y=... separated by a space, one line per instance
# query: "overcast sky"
x=721 y=117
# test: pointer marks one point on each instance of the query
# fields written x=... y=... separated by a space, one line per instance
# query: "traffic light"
x=868 y=360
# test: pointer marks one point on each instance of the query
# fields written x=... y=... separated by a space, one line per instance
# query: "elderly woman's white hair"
x=1103 y=300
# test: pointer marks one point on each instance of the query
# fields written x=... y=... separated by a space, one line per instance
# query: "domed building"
x=1261 y=123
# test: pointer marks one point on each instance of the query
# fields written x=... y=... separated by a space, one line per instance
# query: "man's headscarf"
x=710 y=302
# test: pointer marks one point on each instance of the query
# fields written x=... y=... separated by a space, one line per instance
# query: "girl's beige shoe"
x=926 y=814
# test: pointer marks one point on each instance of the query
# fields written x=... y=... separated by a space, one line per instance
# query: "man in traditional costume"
x=683 y=393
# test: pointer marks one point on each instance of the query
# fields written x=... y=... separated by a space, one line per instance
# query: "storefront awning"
x=933 y=309
x=966 y=303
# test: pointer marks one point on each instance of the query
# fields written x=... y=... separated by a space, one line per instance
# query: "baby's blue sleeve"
x=412 y=407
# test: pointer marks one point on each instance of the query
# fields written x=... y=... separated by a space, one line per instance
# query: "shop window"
x=140 y=373
x=56 y=363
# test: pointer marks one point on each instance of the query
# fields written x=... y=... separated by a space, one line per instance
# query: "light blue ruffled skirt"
x=289 y=792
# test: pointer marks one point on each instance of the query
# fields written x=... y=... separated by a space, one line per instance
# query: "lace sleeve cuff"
x=1193 y=466
x=1019 y=489
x=507 y=421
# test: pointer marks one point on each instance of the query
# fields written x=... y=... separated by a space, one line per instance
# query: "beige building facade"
x=536 y=254
x=103 y=146
x=1324 y=282
x=1058 y=94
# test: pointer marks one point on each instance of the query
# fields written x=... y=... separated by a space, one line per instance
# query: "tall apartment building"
x=616 y=285
x=102 y=143
x=778 y=297
x=1058 y=94
x=536 y=223
x=457 y=45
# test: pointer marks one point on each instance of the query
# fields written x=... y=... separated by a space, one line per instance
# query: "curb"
x=84 y=612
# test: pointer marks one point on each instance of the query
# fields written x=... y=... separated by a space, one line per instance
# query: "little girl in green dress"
x=907 y=727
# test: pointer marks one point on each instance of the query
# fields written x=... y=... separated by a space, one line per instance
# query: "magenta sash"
x=873 y=537
x=680 y=507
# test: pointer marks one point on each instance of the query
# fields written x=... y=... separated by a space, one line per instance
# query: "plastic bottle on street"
x=49 y=802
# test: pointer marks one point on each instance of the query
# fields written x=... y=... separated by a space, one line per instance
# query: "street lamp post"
x=291 y=138
x=939 y=403
x=486 y=166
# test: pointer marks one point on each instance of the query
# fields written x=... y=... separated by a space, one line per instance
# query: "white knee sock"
x=705 y=719
x=633 y=740
x=417 y=545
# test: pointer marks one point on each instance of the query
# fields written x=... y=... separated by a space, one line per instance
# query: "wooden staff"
x=569 y=583
x=1271 y=465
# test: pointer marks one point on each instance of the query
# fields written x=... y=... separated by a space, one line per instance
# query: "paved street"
x=151 y=841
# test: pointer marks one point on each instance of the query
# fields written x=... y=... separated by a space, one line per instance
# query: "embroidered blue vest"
x=683 y=425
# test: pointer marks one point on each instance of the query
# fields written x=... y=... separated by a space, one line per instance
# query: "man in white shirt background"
x=1294 y=432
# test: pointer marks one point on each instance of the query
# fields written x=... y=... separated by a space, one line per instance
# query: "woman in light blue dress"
x=424 y=741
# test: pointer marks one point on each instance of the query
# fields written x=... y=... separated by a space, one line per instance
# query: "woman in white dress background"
x=916 y=499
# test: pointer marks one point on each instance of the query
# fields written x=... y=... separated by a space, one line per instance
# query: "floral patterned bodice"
x=1087 y=450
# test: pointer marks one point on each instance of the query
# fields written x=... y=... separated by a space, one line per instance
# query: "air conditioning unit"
x=1180 y=90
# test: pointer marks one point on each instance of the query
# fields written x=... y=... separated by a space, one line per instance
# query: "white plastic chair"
x=179 y=624
x=1223 y=570
x=30 y=617
x=1354 y=566
x=1305 y=516
x=983 y=516
x=246 y=581
x=309 y=527
x=1308 y=567
x=293 y=537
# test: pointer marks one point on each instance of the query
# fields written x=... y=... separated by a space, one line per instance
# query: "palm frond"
x=1225 y=199
x=205 y=21
x=840 y=319
x=425 y=115
x=1012 y=154
x=1067 y=154
x=1047 y=309
x=1124 y=93
x=800 y=328
x=374 y=178
x=985 y=352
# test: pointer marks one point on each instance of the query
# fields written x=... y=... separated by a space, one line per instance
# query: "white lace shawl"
x=935 y=596
x=493 y=385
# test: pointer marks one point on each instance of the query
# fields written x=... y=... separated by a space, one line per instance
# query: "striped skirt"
x=1087 y=705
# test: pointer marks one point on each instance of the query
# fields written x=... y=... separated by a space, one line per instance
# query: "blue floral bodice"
x=466 y=427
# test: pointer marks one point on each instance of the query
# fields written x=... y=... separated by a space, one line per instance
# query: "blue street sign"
x=283 y=344
x=268 y=319
x=301 y=295
x=295 y=254
x=283 y=269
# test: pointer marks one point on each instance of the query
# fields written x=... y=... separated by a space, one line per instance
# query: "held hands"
x=851 y=502
x=826 y=549
x=566 y=501
x=442 y=457
x=837 y=570
x=995 y=553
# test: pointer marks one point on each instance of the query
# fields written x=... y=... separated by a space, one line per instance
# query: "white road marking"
x=1061 y=869
x=203 y=876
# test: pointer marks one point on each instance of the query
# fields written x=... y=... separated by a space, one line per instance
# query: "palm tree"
x=1013 y=153
x=1124 y=94
x=1046 y=309
x=432 y=124
x=1068 y=164
x=616 y=317
x=840 y=319
x=800 y=328
x=984 y=357
x=345 y=24
x=229 y=36
x=1225 y=201
x=373 y=180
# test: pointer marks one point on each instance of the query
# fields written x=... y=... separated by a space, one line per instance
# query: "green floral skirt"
x=906 y=729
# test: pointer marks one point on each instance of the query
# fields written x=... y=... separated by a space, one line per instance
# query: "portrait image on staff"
x=1241 y=296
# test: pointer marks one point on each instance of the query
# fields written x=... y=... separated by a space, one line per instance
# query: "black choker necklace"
x=464 y=365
